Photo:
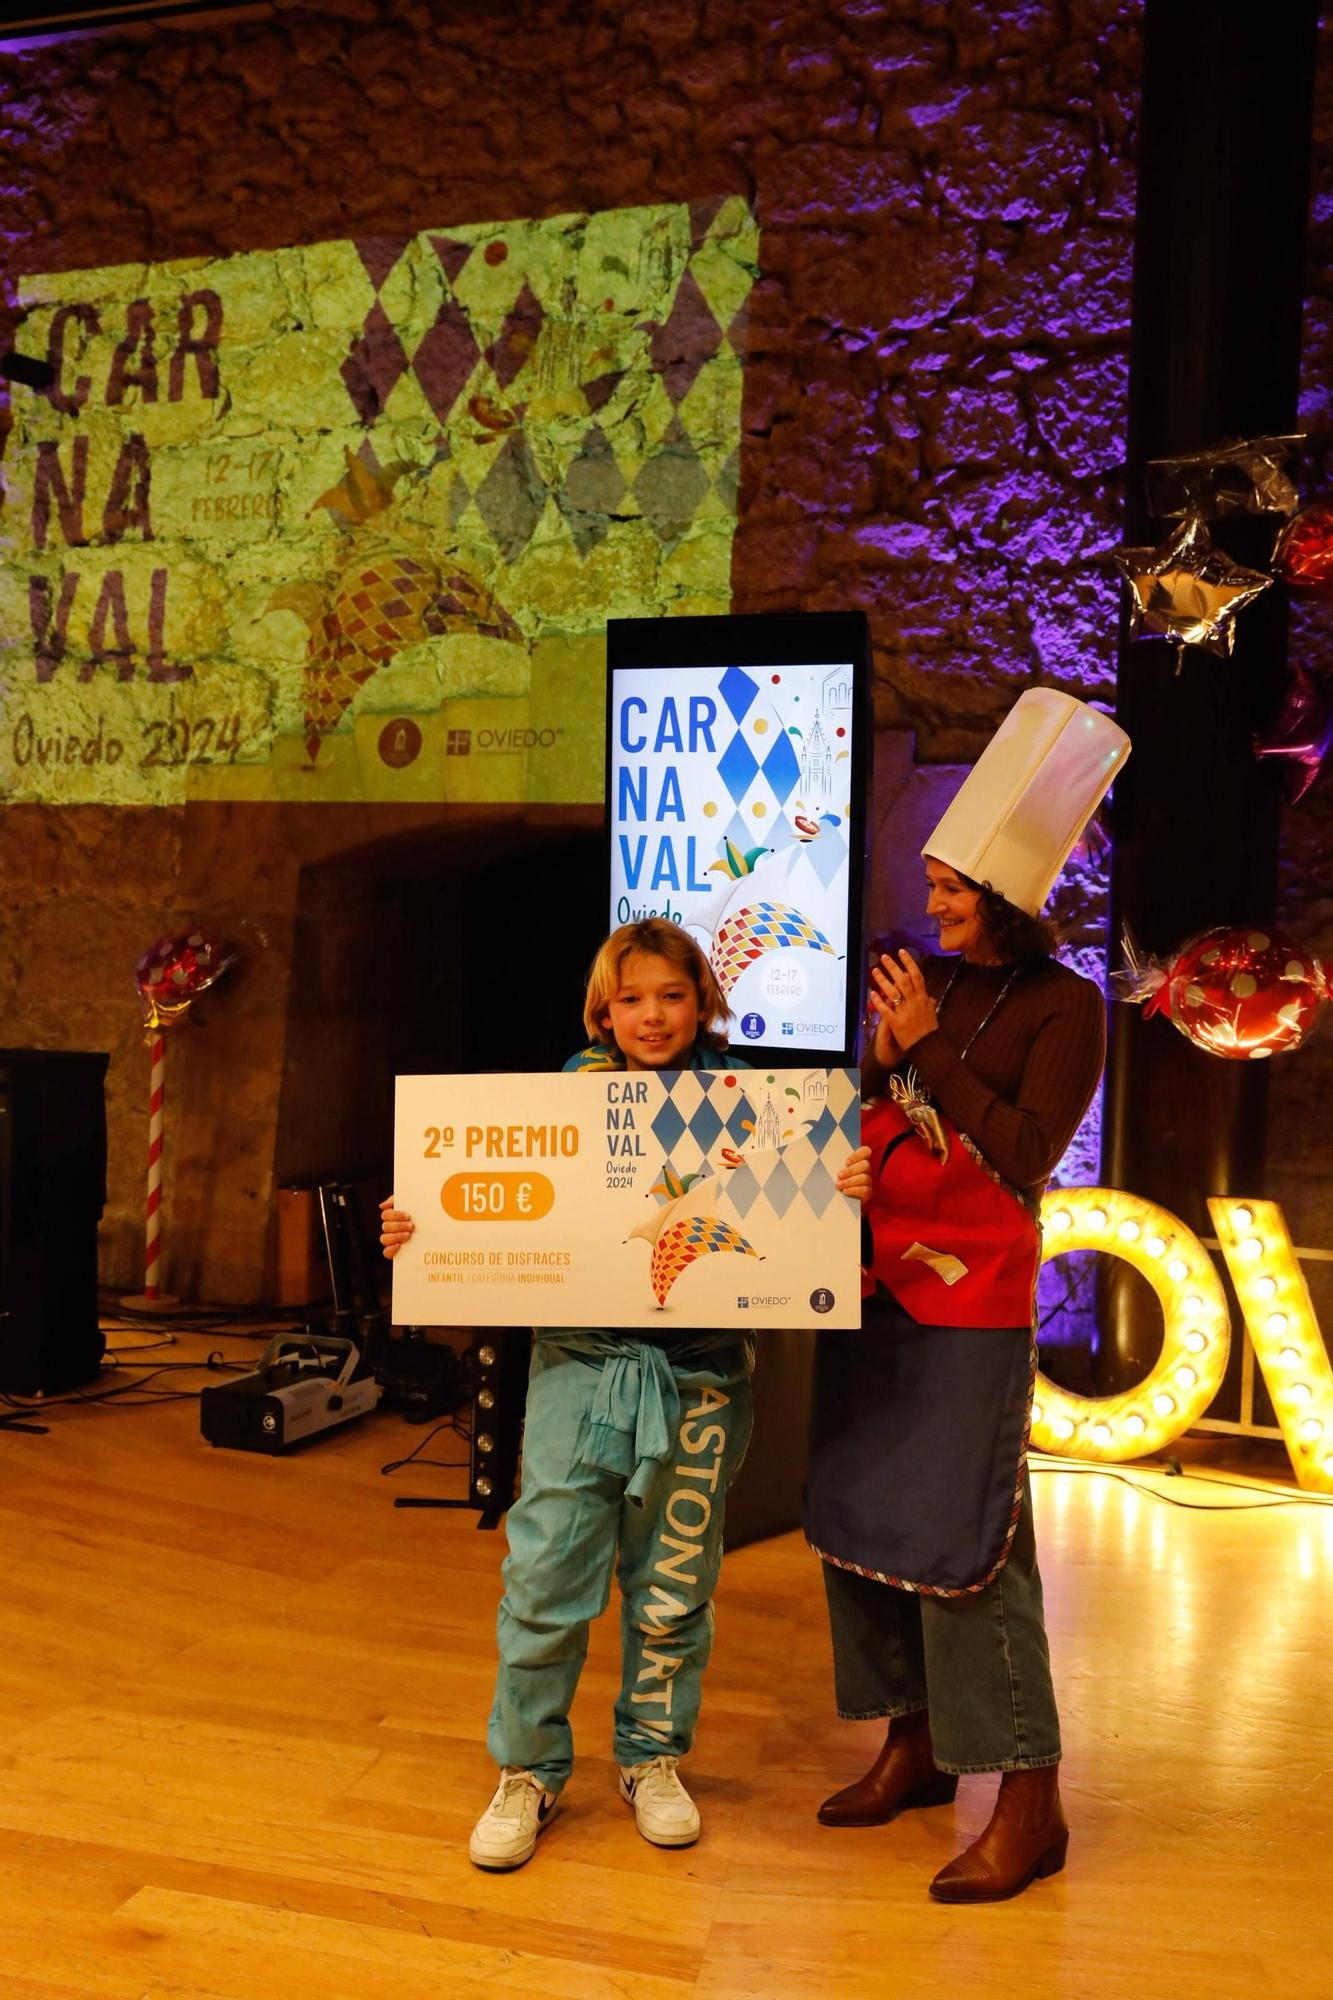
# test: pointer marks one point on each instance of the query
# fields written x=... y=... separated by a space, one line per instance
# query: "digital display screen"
x=734 y=810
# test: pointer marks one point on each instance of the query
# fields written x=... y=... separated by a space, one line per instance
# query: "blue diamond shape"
x=780 y=1187
x=738 y=692
x=850 y=1123
x=739 y=834
x=828 y=853
x=742 y=1190
x=822 y=1130
x=781 y=768
x=668 y=1126
x=741 y=1116
x=818 y=1187
x=705 y=1126
x=736 y=767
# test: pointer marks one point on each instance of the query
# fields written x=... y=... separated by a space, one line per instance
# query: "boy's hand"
x=855 y=1178
x=396 y=1225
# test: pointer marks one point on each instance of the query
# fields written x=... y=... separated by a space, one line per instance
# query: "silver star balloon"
x=1188 y=590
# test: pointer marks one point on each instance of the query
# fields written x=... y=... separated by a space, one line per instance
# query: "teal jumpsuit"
x=629 y=1447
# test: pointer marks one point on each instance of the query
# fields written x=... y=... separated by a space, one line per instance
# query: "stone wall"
x=933 y=396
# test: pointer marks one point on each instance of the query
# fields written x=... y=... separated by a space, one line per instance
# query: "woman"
x=983 y=1065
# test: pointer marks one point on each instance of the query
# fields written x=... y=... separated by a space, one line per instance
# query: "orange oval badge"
x=497 y=1197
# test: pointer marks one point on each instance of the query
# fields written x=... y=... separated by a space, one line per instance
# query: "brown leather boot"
x=902 y=1775
x=1027 y=1836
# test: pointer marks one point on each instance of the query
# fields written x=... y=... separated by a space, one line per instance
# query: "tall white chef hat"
x=1029 y=796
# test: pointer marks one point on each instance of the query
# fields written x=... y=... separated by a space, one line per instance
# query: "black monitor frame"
x=770 y=639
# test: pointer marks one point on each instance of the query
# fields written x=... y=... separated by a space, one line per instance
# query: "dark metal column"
x=1215 y=351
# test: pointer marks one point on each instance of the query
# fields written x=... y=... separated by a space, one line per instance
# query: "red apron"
x=918 y=1435
x=954 y=1245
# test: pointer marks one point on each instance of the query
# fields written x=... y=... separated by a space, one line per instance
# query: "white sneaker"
x=664 y=1812
x=506 y=1833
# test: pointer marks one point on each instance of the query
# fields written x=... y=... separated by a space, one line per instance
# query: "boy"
x=631 y=1441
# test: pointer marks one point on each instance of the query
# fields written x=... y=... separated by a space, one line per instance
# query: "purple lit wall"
x=935 y=376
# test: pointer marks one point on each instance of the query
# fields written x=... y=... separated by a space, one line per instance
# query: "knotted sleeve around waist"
x=635 y=1417
x=636 y=1412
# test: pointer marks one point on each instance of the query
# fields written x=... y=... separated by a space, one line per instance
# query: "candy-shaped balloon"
x=1304 y=553
x=173 y=973
x=1244 y=993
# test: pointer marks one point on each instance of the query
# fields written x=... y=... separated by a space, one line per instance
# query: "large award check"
x=691 y=1198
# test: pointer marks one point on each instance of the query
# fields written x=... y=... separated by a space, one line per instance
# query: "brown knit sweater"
x=1030 y=1074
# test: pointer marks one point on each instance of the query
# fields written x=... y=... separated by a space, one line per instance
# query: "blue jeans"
x=593 y=1496
x=980 y=1663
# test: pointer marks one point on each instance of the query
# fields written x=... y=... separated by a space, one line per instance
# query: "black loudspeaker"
x=499 y=1370
x=52 y=1193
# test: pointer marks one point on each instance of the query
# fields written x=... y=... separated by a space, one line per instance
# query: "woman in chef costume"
x=985 y=1059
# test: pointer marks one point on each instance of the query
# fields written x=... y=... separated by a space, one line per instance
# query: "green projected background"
x=347 y=521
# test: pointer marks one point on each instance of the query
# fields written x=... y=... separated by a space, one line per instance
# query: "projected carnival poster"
x=731 y=797
x=346 y=521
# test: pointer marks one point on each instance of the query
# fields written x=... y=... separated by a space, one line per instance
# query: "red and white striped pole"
x=153 y=1235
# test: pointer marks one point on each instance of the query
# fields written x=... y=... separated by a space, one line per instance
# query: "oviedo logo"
x=499 y=742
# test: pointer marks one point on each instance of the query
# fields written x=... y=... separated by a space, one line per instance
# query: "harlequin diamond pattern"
x=482 y=327
x=445 y=360
x=682 y=1242
x=705 y=1125
x=780 y=1187
x=374 y=364
x=823 y=1129
x=755 y=928
x=741 y=1122
x=512 y=497
x=818 y=1187
x=742 y=1190
x=827 y=854
x=594 y=489
x=522 y=327
x=738 y=692
x=668 y=1127
x=672 y=484
x=690 y=337
x=737 y=766
x=690 y=1125
x=782 y=768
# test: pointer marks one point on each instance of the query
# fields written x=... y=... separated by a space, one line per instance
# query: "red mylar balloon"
x=173 y=973
x=1242 y=993
x=1304 y=553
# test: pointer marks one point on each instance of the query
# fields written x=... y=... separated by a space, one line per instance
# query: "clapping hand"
x=906 y=1011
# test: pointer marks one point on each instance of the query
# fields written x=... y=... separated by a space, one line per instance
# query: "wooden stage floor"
x=245 y=1705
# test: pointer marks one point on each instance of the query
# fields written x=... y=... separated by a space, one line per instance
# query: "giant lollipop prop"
x=170 y=977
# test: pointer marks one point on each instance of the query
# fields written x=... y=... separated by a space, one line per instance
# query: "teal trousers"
x=628 y=1451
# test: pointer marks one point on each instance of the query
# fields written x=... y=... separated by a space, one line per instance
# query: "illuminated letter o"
x=1195 y=1339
